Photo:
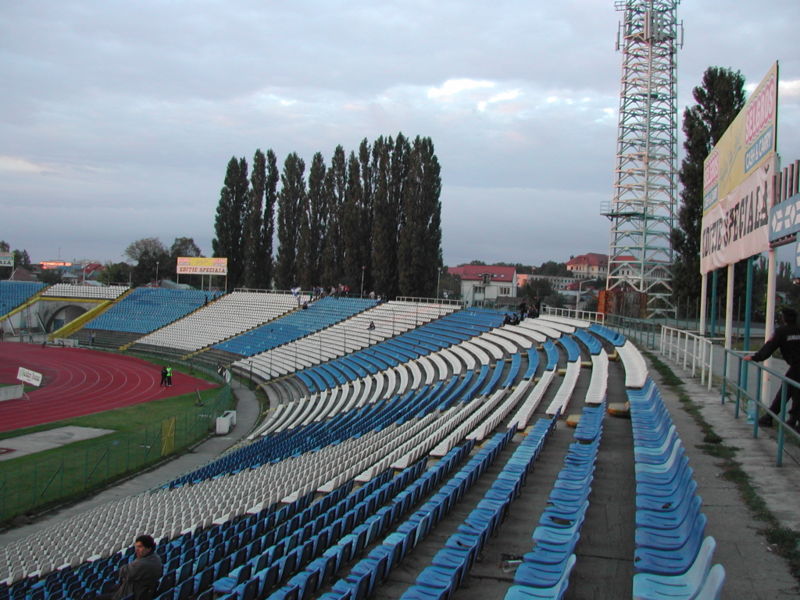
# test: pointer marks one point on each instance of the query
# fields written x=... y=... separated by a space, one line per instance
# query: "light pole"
x=363 y=268
x=438 y=278
x=156 y=271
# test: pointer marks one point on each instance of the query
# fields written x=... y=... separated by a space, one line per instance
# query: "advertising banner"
x=737 y=226
x=746 y=145
x=195 y=265
x=28 y=376
x=6 y=259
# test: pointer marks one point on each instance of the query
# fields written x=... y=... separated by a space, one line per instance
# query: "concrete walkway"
x=247 y=415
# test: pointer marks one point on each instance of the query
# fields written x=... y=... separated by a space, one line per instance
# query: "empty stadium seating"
x=14 y=293
x=147 y=309
x=89 y=292
x=395 y=424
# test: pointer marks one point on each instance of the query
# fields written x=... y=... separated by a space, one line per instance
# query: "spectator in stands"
x=91 y=339
x=507 y=319
x=169 y=376
x=163 y=377
x=139 y=578
x=787 y=339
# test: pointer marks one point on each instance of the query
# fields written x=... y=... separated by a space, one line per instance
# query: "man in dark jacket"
x=787 y=339
x=140 y=577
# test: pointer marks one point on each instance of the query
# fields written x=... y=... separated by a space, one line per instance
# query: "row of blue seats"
x=297 y=324
x=147 y=309
x=551 y=353
x=590 y=341
x=452 y=563
x=308 y=577
x=404 y=347
x=277 y=553
x=196 y=546
x=381 y=560
x=14 y=293
x=545 y=571
x=673 y=557
x=570 y=347
x=613 y=337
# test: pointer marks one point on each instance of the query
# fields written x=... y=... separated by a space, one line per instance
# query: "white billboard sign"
x=28 y=376
x=737 y=226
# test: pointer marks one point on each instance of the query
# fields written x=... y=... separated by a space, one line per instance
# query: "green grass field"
x=143 y=434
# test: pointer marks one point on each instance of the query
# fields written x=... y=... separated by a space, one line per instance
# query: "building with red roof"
x=481 y=285
x=591 y=265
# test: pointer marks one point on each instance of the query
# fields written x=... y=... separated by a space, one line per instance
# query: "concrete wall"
x=11 y=392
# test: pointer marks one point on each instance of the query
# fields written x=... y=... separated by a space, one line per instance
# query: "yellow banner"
x=199 y=265
x=746 y=145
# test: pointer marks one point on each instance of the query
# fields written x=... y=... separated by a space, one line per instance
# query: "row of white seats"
x=495 y=417
x=389 y=319
x=226 y=317
x=409 y=377
x=111 y=527
x=90 y=292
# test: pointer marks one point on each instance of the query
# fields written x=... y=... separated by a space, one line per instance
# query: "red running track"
x=78 y=382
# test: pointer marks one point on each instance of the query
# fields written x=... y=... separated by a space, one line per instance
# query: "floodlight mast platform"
x=645 y=187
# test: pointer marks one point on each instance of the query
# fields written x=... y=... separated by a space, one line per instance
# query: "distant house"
x=589 y=266
x=482 y=285
x=557 y=282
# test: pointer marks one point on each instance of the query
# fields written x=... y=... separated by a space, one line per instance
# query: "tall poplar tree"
x=420 y=236
x=229 y=223
x=313 y=222
x=331 y=264
x=253 y=230
x=384 y=223
x=290 y=204
x=268 y=222
x=355 y=231
x=718 y=100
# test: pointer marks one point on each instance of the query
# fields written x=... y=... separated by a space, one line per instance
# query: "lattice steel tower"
x=643 y=205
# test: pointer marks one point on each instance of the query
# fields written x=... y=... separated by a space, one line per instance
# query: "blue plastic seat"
x=523 y=592
x=648 y=586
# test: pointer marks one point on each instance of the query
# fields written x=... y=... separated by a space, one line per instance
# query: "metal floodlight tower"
x=645 y=188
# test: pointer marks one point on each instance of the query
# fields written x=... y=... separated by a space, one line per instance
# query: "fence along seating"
x=225 y=317
x=14 y=293
x=90 y=292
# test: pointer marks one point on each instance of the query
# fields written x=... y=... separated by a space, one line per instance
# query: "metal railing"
x=739 y=380
x=690 y=350
x=583 y=315
x=738 y=384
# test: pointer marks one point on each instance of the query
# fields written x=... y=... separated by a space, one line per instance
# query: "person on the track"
x=164 y=374
x=169 y=376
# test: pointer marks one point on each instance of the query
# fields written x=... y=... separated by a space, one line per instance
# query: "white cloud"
x=454 y=87
x=16 y=164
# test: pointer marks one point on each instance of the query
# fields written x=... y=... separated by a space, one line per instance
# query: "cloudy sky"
x=117 y=118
